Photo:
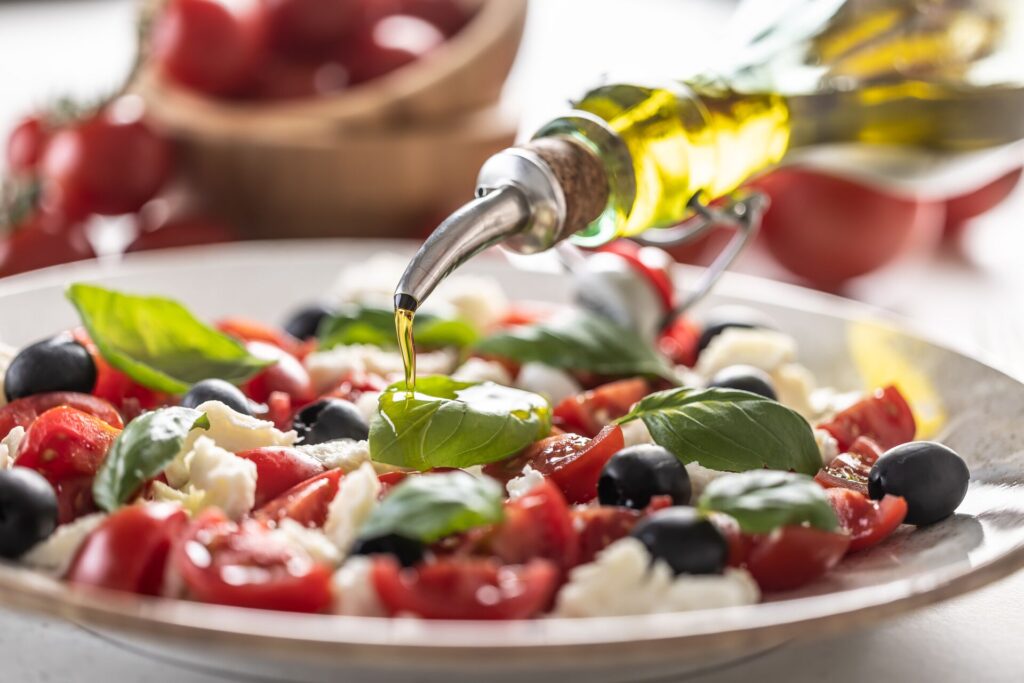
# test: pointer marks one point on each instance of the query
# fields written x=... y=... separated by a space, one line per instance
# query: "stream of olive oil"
x=406 y=345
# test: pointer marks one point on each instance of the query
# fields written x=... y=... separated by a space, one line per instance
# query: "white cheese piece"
x=794 y=385
x=10 y=445
x=700 y=477
x=763 y=349
x=828 y=401
x=228 y=482
x=524 y=483
x=352 y=506
x=634 y=433
x=827 y=446
x=340 y=454
x=552 y=383
x=480 y=370
x=480 y=301
x=312 y=541
x=623 y=581
x=328 y=368
x=7 y=354
x=367 y=405
x=354 y=592
x=54 y=554
x=191 y=499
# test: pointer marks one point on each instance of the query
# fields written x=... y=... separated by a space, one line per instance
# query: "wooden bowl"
x=465 y=73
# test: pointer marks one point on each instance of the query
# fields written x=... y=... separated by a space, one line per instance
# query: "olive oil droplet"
x=406 y=345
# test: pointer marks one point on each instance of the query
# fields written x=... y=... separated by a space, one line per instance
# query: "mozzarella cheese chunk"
x=54 y=554
x=328 y=368
x=354 y=592
x=311 y=541
x=227 y=481
x=367 y=405
x=623 y=581
x=700 y=477
x=352 y=506
x=763 y=349
x=191 y=499
x=794 y=385
x=524 y=483
x=480 y=370
x=827 y=446
x=10 y=445
x=634 y=433
x=7 y=354
x=549 y=382
x=480 y=301
x=340 y=454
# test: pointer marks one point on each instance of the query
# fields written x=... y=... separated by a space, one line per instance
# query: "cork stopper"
x=581 y=175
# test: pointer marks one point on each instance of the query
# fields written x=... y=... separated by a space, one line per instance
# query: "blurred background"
x=133 y=125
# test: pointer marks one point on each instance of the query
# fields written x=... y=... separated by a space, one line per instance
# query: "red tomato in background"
x=282 y=79
x=652 y=263
x=279 y=469
x=465 y=588
x=246 y=330
x=868 y=522
x=24 y=411
x=42 y=240
x=850 y=469
x=793 y=556
x=302 y=27
x=129 y=550
x=355 y=385
x=450 y=16
x=377 y=48
x=828 y=230
x=680 y=342
x=287 y=375
x=306 y=502
x=536 y=525
x=117 y=388
x=67 y=447
x=961 y=209
x=26 y=143
x=571 y=461
x=110 y=163
x=244 y=565
x=181 y=232
x=598 y=526
x=884 y=417
x=213 y=46
x=588 y=413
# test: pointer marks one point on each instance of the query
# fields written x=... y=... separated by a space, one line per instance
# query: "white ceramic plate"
x=971 y=407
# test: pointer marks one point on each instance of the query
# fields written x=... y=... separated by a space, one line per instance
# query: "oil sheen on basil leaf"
x=729 y=430
x=157 y=342
x=447 y=423
x=580 y=341
x=376 y=326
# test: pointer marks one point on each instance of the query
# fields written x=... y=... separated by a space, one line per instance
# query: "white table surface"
x=974 y=299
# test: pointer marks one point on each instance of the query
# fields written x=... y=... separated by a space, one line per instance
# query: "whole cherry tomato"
x=110 y=163
x=449 y=16
x=961 y=209
x=129 y=550
x=302 y=27
x=42 y=240
x=285 y=79
x=26 y=143
x=827 y=229
x=378 y=48
x=213 y=46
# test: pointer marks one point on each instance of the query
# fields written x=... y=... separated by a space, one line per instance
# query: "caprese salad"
x=551 y=461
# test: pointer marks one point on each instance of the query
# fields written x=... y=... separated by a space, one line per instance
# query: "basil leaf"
x=147 y=445
x=447 y=423
x=727 y=429
x=430 y=507
x=376 y=326
x=580 y=341
x=157 y=342
x=763 y=500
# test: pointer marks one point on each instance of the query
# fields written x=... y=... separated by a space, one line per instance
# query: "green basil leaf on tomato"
x=147 y=445
x=728 y=429
x=429 y=507
x=376 y=326
x=580 y=341
x=764 y=500
x=447 y=423
x=158 y=342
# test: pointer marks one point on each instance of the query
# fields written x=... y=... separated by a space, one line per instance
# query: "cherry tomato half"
x=306 y=502
x=588 y=413
x=599 y=526
x=129 y=550
x=536 y=525
x=884 y=417
x=851 y=469
x=24 y=411
x=793 y=556
x=279 y=469
x=244 y=565
x=465 y=588
x=287 y=375
x=868 y=522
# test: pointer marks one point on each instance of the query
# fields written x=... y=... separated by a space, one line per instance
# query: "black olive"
x=28 y=510
x=744 y=378
x=721 y=318
x=931 y=477
x=330 y=419
x=408 y=551
x=637 y=473
x=56 y=364
x=217 y=390
x=303 y=323
x=685 y=541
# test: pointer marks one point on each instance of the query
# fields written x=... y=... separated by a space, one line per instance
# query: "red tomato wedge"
x=589 y=412
x=465 y=588
x=851 y=469
x=24 y=411
x=571 y=461
x=242 y=564
x=278 y=469
x=885 y=417
x=600 y=526
x=793 y=556
x=130 y=549
x=306 y=502
x=536 y=525
x=868 y=522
